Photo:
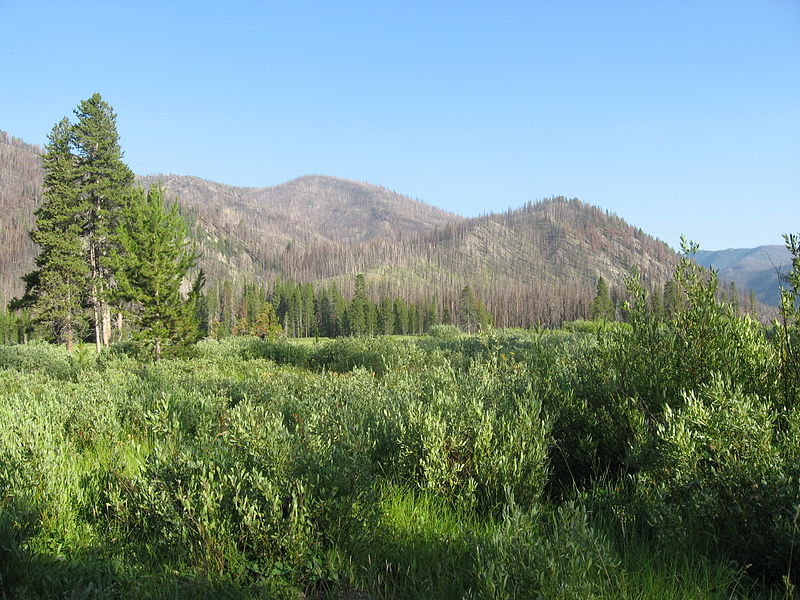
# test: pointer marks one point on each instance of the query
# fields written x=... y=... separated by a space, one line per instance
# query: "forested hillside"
x=20 y=193
x=536 y=264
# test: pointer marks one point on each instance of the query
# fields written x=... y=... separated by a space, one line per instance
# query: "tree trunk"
x=68 y=337
x=95 y=298
x=106 y=325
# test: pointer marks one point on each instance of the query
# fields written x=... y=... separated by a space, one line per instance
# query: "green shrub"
x=474 y=437
x=721 y=474
x=447 y=333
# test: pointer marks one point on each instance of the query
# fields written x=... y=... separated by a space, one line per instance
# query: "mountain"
x=20 y=194
x=756 y=269
x=308 y=209
x=536 y=264
x=248 y=230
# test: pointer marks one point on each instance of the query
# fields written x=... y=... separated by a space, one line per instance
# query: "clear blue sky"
x=680 y=116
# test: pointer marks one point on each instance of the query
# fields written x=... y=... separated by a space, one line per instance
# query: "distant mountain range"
x=758 y=269
x=536 y=264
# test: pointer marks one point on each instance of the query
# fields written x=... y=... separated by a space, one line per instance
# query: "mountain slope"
x=538 y=263
x=756 y=269
x=310 y=208
x=20 y=194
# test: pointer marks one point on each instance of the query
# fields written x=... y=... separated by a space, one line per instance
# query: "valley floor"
x=517 y=464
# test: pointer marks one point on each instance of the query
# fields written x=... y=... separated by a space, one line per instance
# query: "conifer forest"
x=185 y=413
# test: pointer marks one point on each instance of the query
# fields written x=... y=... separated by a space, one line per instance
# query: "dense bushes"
x=721 y=472
x=520 y=464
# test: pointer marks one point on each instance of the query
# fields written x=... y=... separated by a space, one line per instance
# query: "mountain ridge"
x=538 y=263
x=758 y=269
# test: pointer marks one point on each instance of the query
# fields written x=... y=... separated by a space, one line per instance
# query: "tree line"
x=295 y=309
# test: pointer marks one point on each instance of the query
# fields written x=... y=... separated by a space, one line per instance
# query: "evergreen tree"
x=400 y=316
x=326 y=317
x=483 y=316
x=447 y=318
x=54 y=292
x=386 y=316
x=266 y=323
x=467 y=310
x=308 y=311
x=152 y=261
x=358 y=311
x=602 y=308
x=200 y=301
x=431 y=316
x=102 y=184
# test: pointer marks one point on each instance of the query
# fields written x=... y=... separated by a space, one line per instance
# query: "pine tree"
x=54 y=292
x=358 y=311
x=386 y=316
x=151 y=263
x=266 y=323
x=201 y=304
x=400 y=316
x=431 y=316
x=467 y=310
x=602 y=308
x=102 y=183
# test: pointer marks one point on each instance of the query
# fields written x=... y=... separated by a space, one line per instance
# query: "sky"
x=680 y=116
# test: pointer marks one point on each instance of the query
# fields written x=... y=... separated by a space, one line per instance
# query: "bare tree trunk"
x=98 y=342
x=106 y=325
x=68 y=337
x=95 y=297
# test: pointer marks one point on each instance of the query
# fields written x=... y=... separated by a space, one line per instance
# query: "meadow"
x=658 y=458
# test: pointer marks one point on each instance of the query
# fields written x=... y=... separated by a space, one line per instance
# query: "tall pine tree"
x=54 y=292
x=102 y=182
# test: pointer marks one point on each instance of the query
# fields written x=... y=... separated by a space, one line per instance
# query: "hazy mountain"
x=756 y=269
x=538 y=263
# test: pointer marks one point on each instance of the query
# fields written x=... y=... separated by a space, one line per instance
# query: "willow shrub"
x=715 y=460
x=720 y=473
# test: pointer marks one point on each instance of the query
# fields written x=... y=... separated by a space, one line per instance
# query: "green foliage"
x=265 y=324
x=602 y=308
x=789 y=327
x=55 y=291
x=517 y=463
x=472 y=316
x=152 y=260
x=445 y=332
x=102 y=183
x=534 y=554
x=720 y=471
